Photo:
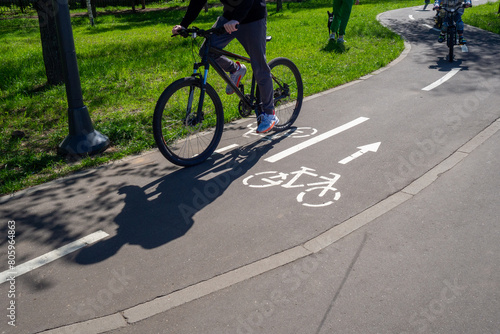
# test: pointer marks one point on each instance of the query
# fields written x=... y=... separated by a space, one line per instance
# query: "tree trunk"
x=50 y=46
x=279 y=5
x=21 y=6
x=90 y=12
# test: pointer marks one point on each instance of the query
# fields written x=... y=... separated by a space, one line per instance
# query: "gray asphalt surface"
x=410 y=246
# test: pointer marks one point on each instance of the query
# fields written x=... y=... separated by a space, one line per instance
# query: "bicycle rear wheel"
x=183 y=136
x=288 y=91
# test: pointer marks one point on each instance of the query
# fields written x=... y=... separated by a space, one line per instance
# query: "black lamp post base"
x=84 y=144
x=82 y=139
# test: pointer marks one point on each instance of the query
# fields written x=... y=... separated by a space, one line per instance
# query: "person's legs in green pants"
x=341 y=13
x=334 y=27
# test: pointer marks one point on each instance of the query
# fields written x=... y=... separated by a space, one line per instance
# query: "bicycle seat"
x=268 y=38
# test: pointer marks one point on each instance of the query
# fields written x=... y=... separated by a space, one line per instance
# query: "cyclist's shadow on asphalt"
x=163 y=210
x=444 y=65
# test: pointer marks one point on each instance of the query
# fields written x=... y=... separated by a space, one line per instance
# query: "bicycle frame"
x=208 y=61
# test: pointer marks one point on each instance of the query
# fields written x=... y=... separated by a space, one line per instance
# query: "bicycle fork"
x=199 y=112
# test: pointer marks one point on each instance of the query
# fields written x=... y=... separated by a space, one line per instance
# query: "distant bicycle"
x=188 y=120
x=451 y=32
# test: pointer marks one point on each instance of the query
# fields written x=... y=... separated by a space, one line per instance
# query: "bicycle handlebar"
x=195 y=31
x=462 y=5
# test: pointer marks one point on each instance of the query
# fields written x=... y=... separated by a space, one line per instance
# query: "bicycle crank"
x=243 y=108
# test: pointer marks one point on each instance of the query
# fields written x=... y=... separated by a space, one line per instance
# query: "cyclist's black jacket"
x=243 y=11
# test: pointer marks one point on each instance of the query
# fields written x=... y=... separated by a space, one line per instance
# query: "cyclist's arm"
x=193 y=10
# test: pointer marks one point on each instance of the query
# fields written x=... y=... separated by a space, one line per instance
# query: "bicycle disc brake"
x=281 y=93
x=192 y=119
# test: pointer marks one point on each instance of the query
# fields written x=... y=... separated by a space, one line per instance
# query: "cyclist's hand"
x=175 y=30
x=436 y=8
x=231 y=26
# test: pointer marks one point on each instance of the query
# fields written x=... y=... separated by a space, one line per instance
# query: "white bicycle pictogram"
x=300 y=132
x=274 y=178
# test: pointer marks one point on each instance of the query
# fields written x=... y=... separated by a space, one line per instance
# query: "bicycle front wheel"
x=183 y=135
x=451 y=40
x=288 y=91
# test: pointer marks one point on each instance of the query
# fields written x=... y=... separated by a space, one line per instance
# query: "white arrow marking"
x=362 y=150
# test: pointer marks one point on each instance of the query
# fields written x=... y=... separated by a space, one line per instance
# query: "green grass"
x=484 y=17
x=127 y=60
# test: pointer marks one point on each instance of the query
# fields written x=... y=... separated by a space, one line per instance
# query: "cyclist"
x=457 y=17
x=251 y=18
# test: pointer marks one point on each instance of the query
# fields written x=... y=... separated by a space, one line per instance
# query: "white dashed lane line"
x=21 y=269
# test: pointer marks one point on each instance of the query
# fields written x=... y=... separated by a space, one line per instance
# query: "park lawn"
x=485 y=17
x=127 y=60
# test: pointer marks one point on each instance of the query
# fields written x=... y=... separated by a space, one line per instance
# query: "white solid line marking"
x=51 y=256
x=443 y=79
x=227 y=148
x=317 y=139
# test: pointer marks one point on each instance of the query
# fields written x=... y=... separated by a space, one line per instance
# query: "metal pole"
x=82 y=138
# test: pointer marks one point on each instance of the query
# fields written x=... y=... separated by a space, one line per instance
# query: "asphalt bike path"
x=186 y=250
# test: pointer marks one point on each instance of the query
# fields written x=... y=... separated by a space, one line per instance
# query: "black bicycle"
x=451 y=32
x=188 y=120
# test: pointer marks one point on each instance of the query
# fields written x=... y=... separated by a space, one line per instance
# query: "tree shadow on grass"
x=128 y=20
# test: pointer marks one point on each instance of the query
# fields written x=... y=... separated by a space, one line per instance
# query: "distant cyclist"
x=251 y=16
x=457 y=17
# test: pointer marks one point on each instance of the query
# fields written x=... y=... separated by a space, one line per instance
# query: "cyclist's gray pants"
x=253 y=38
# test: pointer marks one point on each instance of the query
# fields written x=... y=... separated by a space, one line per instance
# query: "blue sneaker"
x=236 y=77
x=267 y=122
